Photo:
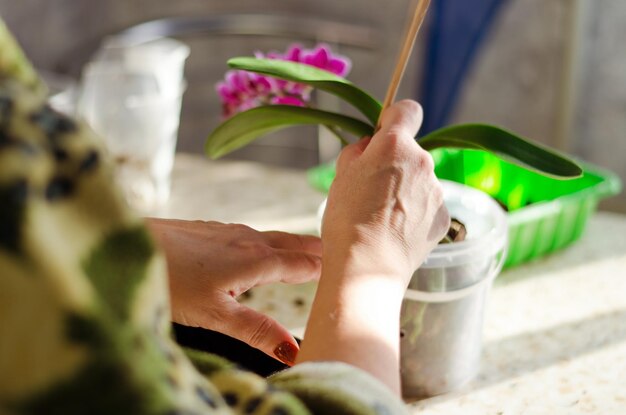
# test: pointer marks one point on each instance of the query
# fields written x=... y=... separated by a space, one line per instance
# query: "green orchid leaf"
x=245 y=127
x=505 y=145
x=317 y=78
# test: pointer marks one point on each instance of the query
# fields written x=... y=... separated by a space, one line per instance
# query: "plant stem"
x=337 y=134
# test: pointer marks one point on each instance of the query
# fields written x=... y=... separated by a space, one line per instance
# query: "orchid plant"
x=266 y=93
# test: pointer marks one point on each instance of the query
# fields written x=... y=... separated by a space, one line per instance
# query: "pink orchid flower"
x=241 y=90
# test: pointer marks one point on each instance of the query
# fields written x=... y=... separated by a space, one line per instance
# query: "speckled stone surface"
x=258 y=195
x=555 y=329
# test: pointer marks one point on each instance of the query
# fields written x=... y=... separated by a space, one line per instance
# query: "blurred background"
x=551 y=70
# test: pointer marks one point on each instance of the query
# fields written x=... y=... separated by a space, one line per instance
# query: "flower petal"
x=287 y=100
x=318 y=57
x=339 y=66
x=293 y=53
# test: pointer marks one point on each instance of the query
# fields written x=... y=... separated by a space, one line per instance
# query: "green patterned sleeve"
x=14 y=65
x=84 y=309
x=317 y=388
x=338 y=388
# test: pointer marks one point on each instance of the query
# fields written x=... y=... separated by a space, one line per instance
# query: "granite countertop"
x=258 y=195
x=555 y=329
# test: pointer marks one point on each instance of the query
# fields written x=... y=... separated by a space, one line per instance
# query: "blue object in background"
x=457 y=30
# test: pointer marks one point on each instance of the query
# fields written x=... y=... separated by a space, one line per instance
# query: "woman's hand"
x=384 y=214
x=211 y=263
x=385 y=204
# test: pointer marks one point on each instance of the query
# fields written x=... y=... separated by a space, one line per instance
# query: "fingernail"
x=286 y=352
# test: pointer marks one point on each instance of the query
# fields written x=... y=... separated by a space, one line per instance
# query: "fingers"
x=289 y=241
x=395 y=142
x=441 y=224
x=290 y=267
x=259 y=331
x=404 y=118
x=293 y=259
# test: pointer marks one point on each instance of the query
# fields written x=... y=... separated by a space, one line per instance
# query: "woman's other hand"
x=210 y=264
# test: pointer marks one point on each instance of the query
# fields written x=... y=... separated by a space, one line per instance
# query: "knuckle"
x=239 y=228
x=260 y=332
x=313 y=261
x=299 y=241
x=252 y=248
x=394 y=139
x=437 y=192
x=205 y=222
x=396 y=146
x=424 y=160
x=442 y=221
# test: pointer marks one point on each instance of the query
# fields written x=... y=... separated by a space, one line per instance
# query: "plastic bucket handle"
x=446 y=296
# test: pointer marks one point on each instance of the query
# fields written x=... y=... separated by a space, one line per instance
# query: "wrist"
x=360 y=293
x=357 y=264
x=355 y=318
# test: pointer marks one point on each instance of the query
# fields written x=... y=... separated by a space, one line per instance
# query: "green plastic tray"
x=544 y=214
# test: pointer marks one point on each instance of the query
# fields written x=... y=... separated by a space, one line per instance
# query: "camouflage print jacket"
x=84 y=313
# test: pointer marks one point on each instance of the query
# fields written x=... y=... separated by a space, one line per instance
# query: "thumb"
x=259 y=331
x=405 y=117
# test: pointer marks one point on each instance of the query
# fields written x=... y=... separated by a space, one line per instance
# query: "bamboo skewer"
x=405 y=53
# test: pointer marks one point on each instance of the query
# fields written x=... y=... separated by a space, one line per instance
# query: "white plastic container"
x=131 y=96
x=442 y=313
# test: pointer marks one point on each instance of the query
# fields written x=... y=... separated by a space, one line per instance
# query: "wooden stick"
x=405 y=53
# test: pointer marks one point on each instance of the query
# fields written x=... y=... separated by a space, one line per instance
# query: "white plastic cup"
x=131 y=95
x=163 y=59
x=442 y=313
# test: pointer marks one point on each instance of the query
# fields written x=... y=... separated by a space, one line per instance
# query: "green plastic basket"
x=544 y=214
